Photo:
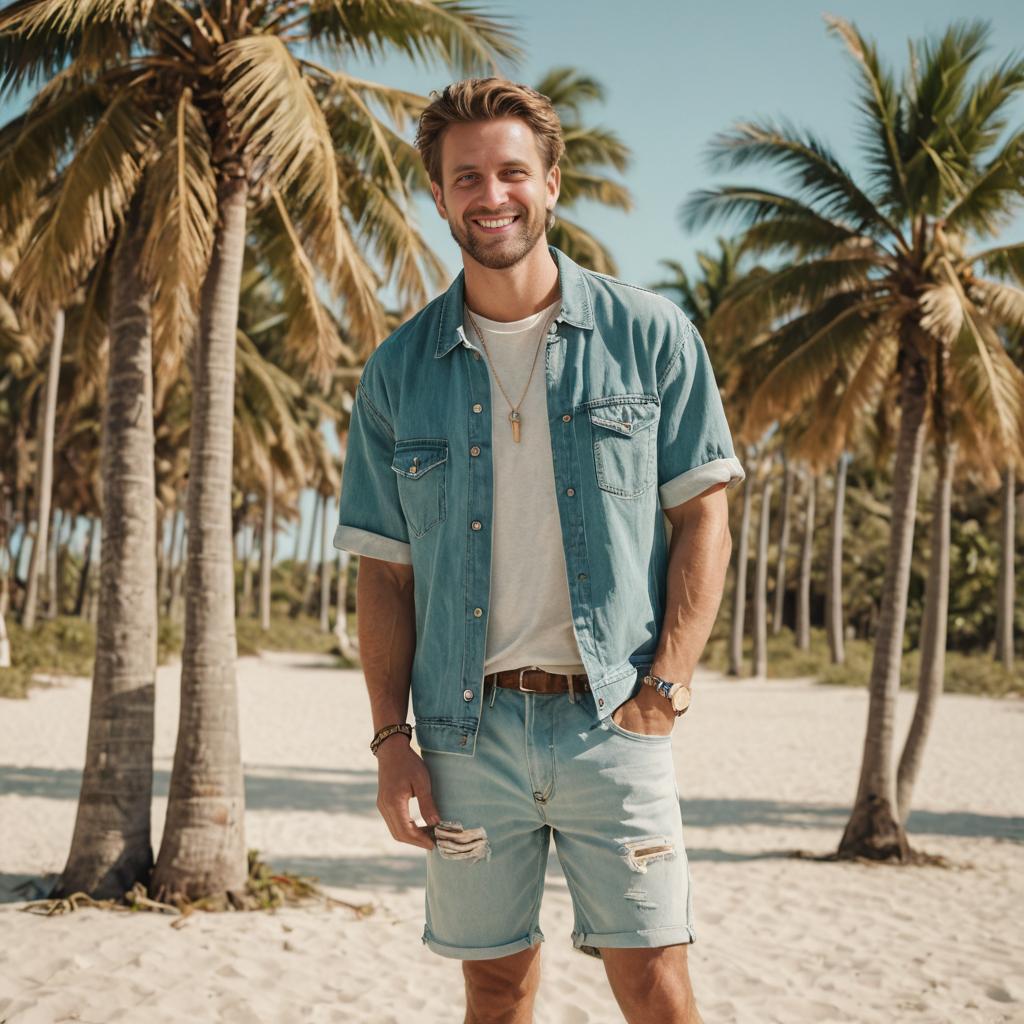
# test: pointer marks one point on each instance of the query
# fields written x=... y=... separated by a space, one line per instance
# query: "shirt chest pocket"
x=625 y=434
x=420 y=464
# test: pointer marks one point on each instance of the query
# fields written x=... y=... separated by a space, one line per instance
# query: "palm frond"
x=181 y=211
x=579 y=245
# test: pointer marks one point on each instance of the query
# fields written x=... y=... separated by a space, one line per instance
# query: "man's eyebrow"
x=472 y=167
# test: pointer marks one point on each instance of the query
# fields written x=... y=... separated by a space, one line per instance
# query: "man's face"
x=494 y=194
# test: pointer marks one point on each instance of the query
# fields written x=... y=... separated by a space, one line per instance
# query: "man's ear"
x=554 y=185
x=438 y=194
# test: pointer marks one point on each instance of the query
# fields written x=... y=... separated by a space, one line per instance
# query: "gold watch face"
x=681 y=698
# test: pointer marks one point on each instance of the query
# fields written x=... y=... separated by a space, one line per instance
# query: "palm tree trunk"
x=309 y=580
x=162 y=558
x=760 y=660
x=267 y=551
x=44 y=477
x=780 y=571
x=325 y=568
x=803 y=602
x=248 y=544
x=739 y=593
x=933 y=633
x=110 y=848
x=834 y=590
x=52 y=549
x=1006 y=586
x=171 y=561
x=6 y=554
x=203 y=849
x=87 y=568
x=874 y=829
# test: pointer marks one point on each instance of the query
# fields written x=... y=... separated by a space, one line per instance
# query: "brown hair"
x=484 y=99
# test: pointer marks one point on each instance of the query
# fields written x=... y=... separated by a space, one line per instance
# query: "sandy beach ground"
x=764 y=768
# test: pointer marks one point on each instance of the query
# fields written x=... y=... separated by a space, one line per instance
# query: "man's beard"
x=510 y=250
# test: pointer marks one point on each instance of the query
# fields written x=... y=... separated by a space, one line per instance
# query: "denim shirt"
x=637 y=425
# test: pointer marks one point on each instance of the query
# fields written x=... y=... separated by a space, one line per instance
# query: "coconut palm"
x=880 y=281
x=588 y=151
x=211 y=110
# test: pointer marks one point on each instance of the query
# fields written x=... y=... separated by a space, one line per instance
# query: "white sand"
x=764 y=768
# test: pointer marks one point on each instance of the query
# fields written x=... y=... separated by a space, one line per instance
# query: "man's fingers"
x=403 y=828
x=424 y=797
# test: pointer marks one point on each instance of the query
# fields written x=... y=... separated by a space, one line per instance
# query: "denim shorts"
x=544 y=764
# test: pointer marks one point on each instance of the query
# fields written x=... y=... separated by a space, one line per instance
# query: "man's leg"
x=503 y=990
x=652 y=984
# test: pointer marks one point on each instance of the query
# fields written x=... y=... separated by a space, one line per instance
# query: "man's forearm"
x=698 y=563
x=387 y=638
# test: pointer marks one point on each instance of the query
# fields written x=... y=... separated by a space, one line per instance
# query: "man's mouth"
x=495 y=225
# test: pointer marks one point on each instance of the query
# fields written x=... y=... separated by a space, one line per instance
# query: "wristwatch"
x=678 y=693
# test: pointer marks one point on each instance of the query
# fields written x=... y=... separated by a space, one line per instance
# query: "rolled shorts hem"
x=482 y=952
x=648 y=938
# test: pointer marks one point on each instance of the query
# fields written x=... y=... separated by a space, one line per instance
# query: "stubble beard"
x=509 y=251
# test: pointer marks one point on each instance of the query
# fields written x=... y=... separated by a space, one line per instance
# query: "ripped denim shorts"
x=545 y=764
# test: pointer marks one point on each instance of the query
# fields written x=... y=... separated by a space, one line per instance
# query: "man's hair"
x=484 y=99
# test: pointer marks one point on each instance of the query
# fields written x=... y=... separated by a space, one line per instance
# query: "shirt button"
x=581 y=576
x=600 y=702
x=478 y=407
x=467 y=694
x=569 y=491
x=566 y=418
x=476 y=524
x=476 y=356
x=475 y=450
x=478 y=612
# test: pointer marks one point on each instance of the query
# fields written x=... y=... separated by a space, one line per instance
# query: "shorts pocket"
x=625 y=443
x=421 y=467
x=641 y=737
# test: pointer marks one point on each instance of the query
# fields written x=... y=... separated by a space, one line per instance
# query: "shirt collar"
x=575 y=302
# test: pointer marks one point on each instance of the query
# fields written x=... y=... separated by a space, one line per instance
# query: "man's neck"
x=512 y=294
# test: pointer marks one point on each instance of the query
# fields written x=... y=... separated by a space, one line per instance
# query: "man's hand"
x=648 y=713
x=401 y=775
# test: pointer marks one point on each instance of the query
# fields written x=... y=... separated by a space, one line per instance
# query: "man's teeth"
x=496 y=223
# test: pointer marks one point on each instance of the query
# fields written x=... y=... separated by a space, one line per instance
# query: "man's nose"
x=495 y=193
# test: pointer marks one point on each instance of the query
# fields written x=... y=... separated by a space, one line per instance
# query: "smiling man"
x=535 y=477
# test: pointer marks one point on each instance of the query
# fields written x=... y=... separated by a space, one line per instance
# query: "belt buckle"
x=527 y=689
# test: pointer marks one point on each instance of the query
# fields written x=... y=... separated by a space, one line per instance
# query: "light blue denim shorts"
x=545 y=764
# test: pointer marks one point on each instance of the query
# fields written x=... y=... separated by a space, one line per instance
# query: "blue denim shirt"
x=636 y=424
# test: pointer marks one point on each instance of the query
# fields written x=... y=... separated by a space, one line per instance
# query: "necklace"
x=514 y=417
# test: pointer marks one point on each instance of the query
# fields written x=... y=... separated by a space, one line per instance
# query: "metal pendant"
x=514 y=419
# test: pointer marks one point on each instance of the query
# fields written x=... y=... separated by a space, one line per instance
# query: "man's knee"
x=502 y=990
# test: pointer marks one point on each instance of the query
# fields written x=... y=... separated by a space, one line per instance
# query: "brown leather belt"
x=536 y=680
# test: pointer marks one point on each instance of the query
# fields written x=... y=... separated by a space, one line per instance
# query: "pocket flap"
x=626 y=418
x=414 y=457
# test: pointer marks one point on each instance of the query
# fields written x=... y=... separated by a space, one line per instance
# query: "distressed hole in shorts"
x=640 y=898
x=590 y=951
x=457 y=843
x=638 y=853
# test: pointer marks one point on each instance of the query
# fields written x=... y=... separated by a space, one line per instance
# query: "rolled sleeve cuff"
x=697 y=480
x=363 y=542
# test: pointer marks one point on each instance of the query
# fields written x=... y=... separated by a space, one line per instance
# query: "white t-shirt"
x=531 y=617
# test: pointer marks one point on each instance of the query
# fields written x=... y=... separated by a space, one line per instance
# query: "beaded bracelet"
x=389 y=730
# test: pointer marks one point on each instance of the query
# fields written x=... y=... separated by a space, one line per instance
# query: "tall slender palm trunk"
x=834 y=623
x=874 y=829
x=85 y=579
x=44 y=476
x=780 y=569
x=110 y=847
x=325 y=569
x=203 y=848
x=739 y=593
x=267 y=551
x=803 y=599
x=1006 y=585
x=933 y=632
x=760 y=657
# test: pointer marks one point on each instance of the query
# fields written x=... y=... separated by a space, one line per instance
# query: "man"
x=514 y=450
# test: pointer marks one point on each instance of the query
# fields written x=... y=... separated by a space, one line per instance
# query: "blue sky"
x=676 y=73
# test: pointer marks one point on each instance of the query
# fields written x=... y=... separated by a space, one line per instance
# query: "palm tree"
x=212 y=110
x=877 y=285
x=588 y=151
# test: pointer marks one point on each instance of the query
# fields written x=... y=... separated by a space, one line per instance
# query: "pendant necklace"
x=515 y=418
